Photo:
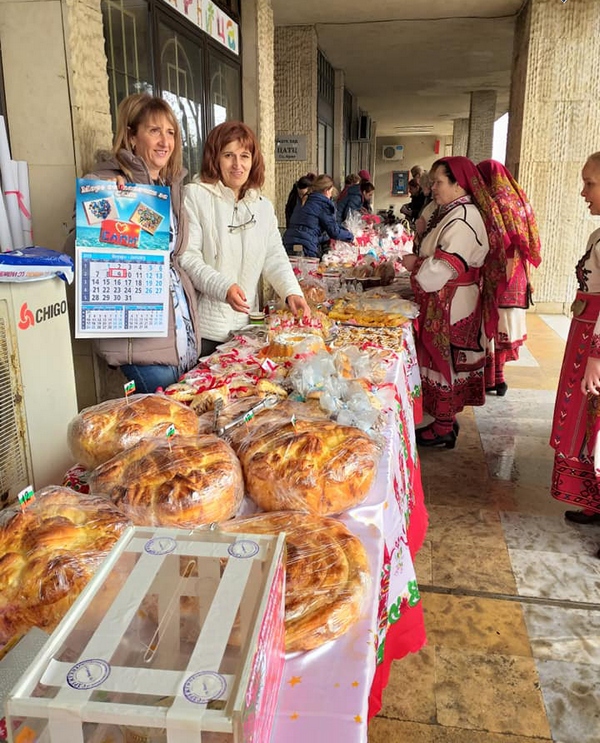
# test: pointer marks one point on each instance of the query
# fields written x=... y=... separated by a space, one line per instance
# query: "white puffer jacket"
x=216 y=257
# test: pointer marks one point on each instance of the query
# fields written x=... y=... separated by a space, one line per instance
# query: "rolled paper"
x=10 y=188
x=5 y=236
x=24 y=201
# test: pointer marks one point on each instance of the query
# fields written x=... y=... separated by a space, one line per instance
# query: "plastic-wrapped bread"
x=48 y=552
x=327 y=575
x=307 y=465
x=183 y=481
x=101 y=431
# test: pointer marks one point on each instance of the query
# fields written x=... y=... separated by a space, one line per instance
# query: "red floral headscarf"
x=517 y=215
x=494 y=269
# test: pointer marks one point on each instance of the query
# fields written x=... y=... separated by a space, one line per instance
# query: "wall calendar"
x=122 y=293
x=122 y=270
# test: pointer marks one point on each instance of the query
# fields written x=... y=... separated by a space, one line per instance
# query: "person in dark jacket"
x=358 y=198
x=298 y=194
x=352 y=201
x=315 y=220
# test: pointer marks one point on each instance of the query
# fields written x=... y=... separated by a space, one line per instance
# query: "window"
x=127 y=45
x=326 y=84
x=181 y=83
x=224 y=92
x=150 y=47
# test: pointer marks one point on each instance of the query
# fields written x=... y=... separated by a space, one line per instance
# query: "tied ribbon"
x=21 y=202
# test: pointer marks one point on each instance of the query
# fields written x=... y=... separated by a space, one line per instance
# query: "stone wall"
x=88 y=81
x=296 y=103
x=559 y=85
x=266 y=94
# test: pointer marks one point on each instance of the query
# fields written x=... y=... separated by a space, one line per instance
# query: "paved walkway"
x=511 y=591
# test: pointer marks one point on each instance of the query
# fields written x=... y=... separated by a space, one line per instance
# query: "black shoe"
x=500 y=389
x=448 y=440
x=456 y=427
x=579 y=517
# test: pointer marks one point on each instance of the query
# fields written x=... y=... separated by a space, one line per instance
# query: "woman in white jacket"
x=233 y=236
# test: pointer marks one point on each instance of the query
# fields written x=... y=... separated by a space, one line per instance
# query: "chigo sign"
x=28 y=318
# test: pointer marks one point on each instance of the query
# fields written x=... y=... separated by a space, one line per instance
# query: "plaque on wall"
x=290 y=147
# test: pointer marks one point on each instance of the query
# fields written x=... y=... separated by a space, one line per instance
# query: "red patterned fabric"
x=494 y=270
x=574 y=482
x=576 y=422
x=438 y=336
x=518 y=219
x=407 y=635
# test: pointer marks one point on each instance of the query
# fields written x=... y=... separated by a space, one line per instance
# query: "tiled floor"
x=511 y=591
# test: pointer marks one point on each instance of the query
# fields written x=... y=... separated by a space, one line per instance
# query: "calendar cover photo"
x=136 y=216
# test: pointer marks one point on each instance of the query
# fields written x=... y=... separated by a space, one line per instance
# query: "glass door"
x=181 y=82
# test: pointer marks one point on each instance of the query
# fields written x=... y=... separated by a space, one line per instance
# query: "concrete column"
x=554 y=125
x=339 y=173
x=481 y=124
x=258 y=69
x=296 y=97
x=460 y=137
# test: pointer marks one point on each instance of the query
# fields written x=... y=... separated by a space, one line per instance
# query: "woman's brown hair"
x=320 y=184
x=136 y=110
x=218 y=138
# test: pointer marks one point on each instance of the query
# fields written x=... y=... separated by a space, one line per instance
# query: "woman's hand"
x=298 y=305
x=236 y=299
x=590 y=384
x=409 y=260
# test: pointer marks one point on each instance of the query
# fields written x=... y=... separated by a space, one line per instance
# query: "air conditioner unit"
x=37 y=386
x=392 y=152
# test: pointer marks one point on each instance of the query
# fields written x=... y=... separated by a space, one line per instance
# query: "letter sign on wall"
x=290 y=147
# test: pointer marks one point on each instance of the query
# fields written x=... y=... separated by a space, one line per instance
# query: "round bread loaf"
x=48 y=552
x=182 y=481
x=101 y=431
x=308 y=465
x=327 y=574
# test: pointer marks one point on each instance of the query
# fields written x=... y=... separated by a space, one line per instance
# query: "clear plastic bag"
x=371 y=310
x=181 y=481
x=327 y=575
x=306 y=464
x=101 y=431
x=50 y=550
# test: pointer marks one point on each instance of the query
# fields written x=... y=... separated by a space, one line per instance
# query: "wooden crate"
x=178 y=638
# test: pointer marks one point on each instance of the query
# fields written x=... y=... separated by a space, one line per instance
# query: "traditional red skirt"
x=576 y=422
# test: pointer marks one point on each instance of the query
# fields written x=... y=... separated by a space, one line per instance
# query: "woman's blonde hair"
x=320 y=184
x=594 y=158
x=136 y=110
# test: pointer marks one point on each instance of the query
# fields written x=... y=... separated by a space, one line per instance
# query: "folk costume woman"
x=522 y=250
x=457 y=312
x=576 y=424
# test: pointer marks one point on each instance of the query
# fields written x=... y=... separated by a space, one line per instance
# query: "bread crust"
x=327 y=575
x=182 y=481
x=49 y=551
x=102 y=431
x=308 y=465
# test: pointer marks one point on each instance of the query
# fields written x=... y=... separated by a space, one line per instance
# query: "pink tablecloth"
x=329 y=694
